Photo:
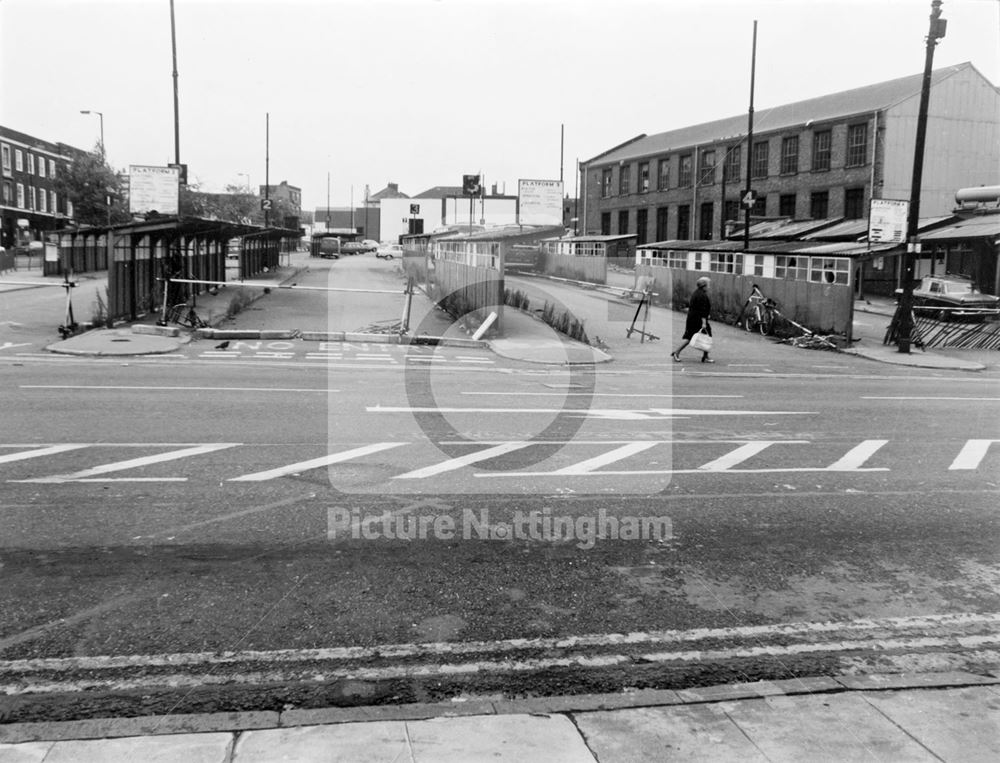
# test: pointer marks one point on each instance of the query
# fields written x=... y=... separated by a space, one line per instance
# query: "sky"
x=347 y=93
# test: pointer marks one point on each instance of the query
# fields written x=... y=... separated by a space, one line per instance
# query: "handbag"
x=702 y=341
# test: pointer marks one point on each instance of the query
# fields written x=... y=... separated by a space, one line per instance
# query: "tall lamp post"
x=904 y=312
x=101 y=115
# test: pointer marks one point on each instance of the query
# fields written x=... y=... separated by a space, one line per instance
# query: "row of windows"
x=30 y=198
x=856 y=155
x=789 y=267
x=35 y=164
x=576 y=248
x=819 y=209
x=479 y=254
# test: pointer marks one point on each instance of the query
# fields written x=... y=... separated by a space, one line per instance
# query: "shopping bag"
x=702 y=341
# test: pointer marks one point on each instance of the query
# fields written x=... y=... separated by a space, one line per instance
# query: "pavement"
x=898 y=717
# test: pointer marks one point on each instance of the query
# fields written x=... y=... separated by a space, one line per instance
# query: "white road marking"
x=856 y=456
x=935 y=397
x=456 y=463
x=596 y=394
x=316 y=463
x=219 y=354
x=591 y=464
x=971 y=455
x=741 y=454
x=176 y=389
x=49 y=451
x=607 y=413
x=134 y=463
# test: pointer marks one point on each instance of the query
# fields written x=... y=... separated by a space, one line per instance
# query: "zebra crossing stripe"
x=971 y=455
x=316 y=463
x=457 y=463
x=38 y=452
x=590 y=464
x=134 y=463
x=739 y=455
x=855 y=458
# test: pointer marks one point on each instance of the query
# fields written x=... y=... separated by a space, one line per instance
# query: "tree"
x=235 y=205
x=94 y=188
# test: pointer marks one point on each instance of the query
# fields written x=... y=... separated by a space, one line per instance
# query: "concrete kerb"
x=107 y=728
x=340 y=336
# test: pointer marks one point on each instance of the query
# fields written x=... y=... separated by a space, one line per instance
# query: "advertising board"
x=540 y=202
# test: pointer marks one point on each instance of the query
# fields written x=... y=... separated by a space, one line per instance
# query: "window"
x=52 y=168
x=69 y=208
x=786 y=205
x=605 y=223
x=624 y=179
x=677 y=259
x=643 y=177
x=663 y=175
x=31 y=197
x=684 y=171
x=31 y=163
x=731 y=166
x=41 y=166
x=641 y=225
x=759 y=206
x=8 y=193
x=5 y=152
x=819 y=204
x=52 y=202
x=760 y=159
x=790 y=155
x=791 y=268
x=684 y=221
x=733 y=211
x=606 y=183
x=20 y=195
x=706 y=168
x=829 y=269
x=661 y=224
x=18 y=160
x=725 y=262
x=43 y=200
x=821 y=151
x=623 y=221
x=854 y=203
x=705 y=218
x=857 y=145
x=753 y=264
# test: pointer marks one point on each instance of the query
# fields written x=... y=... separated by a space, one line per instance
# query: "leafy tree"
x=94 y=188
x=235 y=205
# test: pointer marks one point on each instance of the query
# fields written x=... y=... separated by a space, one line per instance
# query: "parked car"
x=958 y=297
x=372 y=245
x=388 y=251
x=353 y=247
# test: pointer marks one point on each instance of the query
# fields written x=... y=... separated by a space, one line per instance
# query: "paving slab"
x=190 y=748
x=955 y=724
x=27 y=752
x=377 y=742
x=515 y=738
x=684 y=733
x=826 y=727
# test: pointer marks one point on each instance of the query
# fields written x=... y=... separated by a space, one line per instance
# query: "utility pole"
x=749 y=192
x=267 y=170
x=177 y=123
x=904 y=311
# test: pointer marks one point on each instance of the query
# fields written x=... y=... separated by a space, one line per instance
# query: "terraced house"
x=820 y=159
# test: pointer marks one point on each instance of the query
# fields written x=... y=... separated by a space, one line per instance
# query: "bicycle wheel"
x=752 y=319
x=766 y=323
x=194 y=320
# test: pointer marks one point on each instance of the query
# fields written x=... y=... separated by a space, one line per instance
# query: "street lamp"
x=101 y=115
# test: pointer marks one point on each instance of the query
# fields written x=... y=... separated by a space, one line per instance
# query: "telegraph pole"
x=904 y=311
x=748 y=196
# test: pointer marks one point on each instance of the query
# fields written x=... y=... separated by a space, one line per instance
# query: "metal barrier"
x=69 y=325
x=942 y=327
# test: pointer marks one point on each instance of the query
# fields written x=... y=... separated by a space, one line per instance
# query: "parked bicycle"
x=758 y=312
x=185 y=315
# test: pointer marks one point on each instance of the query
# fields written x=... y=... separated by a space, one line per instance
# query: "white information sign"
x=540 y=202
x=153 y=189
x=887 y=221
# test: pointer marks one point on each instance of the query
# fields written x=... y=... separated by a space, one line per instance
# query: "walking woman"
x=699 y=307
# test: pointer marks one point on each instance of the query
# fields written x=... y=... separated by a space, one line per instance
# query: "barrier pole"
x=407 y=302
x=163 y=307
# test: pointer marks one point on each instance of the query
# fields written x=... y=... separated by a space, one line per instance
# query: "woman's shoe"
x=674 y=356
x=707 y=359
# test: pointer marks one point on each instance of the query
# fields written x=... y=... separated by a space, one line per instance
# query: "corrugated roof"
x=859 y=100
x=584 y=239
x=847 y=229
x=977 y=227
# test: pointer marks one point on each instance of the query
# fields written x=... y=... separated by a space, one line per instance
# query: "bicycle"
x=759 y=312
x=184 y=315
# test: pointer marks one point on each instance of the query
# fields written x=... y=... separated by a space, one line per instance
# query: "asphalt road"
x=196 y=504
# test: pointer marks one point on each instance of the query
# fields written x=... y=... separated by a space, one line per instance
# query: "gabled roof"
x=389 y=192
x=859 y=100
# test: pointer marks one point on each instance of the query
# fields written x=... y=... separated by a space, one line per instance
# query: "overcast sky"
x=420 y=92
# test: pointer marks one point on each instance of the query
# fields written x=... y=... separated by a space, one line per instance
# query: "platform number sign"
x=749 y=199
x=470 y=185
x=266 y=205
x=414 y=209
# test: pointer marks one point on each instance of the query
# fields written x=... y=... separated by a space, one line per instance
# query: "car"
x=388 y=251
x=353 y=247
x=959 y=298
x=372 y=245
